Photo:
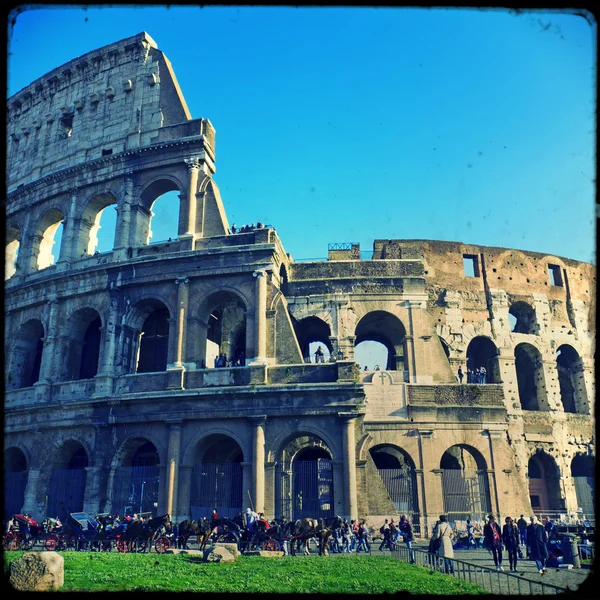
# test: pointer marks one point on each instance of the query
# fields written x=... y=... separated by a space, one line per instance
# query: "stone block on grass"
x=37 y=572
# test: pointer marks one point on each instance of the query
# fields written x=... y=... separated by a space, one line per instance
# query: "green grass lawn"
x=87 y=571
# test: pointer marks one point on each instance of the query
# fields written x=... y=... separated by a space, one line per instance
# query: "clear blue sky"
x=353 y=124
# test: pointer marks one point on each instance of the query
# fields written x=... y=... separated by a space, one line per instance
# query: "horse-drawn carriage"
x=26 y=532
x=145 y=532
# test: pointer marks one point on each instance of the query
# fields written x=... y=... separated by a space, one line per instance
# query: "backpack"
x=382 y=529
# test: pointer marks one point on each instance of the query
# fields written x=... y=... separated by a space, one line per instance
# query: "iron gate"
x=584 y=489
x=14 y=493
x=312 y=489
x=216 y=486
x=466 y=495
x=401 y=485
x=135 y=490
x=65 y=493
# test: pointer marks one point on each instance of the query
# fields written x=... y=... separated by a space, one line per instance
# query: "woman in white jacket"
x=444 y=532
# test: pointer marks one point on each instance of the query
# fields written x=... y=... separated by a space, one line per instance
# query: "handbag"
x=434 y=545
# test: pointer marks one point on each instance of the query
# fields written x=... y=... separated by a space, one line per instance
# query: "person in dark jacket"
x=493 y=538
x=522 y=525
x=407 y=536
x=510 y=537
x=537 y=540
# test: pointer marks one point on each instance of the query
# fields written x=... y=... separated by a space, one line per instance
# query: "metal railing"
x=586 y=552
x=494 y=581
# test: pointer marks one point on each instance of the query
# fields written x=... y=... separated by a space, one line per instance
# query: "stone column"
x=184 y=492
x=431 y=490
x=247 y=476
x=106 y=368
x=193 y=166
x=68 y=251
x=339 y=501
x=260 y=318
x=180 y=324
x=553 y=397
x=31 y=491
x=173 y=451
x=349 y=453
x=49 y=358
x=123 y=226
x=258 y=462
x=163 y=486
x=91 y=501
x=110 y=483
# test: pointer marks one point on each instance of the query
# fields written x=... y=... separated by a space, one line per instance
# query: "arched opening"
x=102 y=233
x=26 y=356
x=15 y=481
x=465 y=484
x=136 y=481
x=571 y=380
x=313 y=332
x=482 y=352
x=386 y=329
x=50 y=231
x=283 y=280
x=544 y=490
x=217 y=480
x=522 y=318
x=530 y=377
x=304 y=479
x=154 y=342
x=164 y=213
x=67 y=481
x=226 y=334
x=84 y=334
x=13 y=237
x=370 y=355
x=582 y=471
x=397 y=471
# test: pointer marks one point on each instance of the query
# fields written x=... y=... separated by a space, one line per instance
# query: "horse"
x=321 y=529
x=137 y=530
x=201 y=528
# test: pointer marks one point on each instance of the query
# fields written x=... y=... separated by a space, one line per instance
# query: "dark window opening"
x=154 y=343
x=107 y=152
x=555 y=275
x=471 y=265
x=90 y=351
x=66 y=124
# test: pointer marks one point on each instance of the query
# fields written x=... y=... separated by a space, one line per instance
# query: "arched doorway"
x=482 y=352
x=571 y=381
x=582 y=471
x=154 y=343
x=26 y=355
x=544 y=490
x=311 y=333
x=15 y=481
x=397 y=471
x=465 y=484
x=67 y=481
x=217 y=480
x=387 y=329
x=530 y=377
x=84 y=345
x=136 y=481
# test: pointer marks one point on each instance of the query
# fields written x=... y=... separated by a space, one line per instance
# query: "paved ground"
x=572 y=578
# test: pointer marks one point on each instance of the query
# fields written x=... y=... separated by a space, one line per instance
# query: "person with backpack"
x=362 y=538
x=386 y=542
x=493 y=538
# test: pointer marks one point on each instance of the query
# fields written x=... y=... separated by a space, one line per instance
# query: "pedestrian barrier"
x=494 y=581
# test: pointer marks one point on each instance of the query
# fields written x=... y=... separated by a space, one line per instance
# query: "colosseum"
x=114 y=401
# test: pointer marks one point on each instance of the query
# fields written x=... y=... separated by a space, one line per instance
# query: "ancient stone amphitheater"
x=114 y=404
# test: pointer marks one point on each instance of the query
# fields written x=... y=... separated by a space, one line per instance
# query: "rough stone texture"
x=218 y=554
x=190 y=552
x=111 y=129
x=230 y=547
x=265 y=553
x=37 y=572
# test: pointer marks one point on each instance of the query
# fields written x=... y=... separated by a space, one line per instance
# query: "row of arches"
x=96 y=229
x=304 y=480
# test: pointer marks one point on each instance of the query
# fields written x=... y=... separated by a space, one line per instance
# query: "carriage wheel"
x=70 y=542
x=162 y=545
x=122 y=546
x=27 y=543
x=140 y=545
x=11 y=541
x=271 y=545
x=51 y=542
x=106 y=545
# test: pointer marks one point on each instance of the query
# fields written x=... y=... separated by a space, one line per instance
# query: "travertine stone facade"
x=112 y=400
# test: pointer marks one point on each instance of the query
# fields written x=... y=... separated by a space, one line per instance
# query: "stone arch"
x=465 y=484
x=573 y=393
x=49 y=228
x=397 y=471
x=84 y=341
x=15 y=480
x=522 y=318
x=482 y=352
x=226 y=333
x=583 y=474
x=146 y=337
x=529 y=367
x=190 y=452
x=162 y=186
x=387 y=329
x=217 y=477
x=13 y=243
x=135 y=484
x=26 y=355
x=89 y=224
x=544 y=490
x=312 y=330
x=66 y=488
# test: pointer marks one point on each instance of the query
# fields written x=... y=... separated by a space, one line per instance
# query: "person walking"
x=460 y=374
x=522 y=525
x=362 y=538
x=493 y=538
x=510 y=537
x=386 y=542
x=407 y=537
x=470 y=536
x=443 y=532
x=319 y=355
x=537 y=540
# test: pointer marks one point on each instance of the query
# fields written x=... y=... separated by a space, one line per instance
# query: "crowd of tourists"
x=245 y=228
x=478 y=375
